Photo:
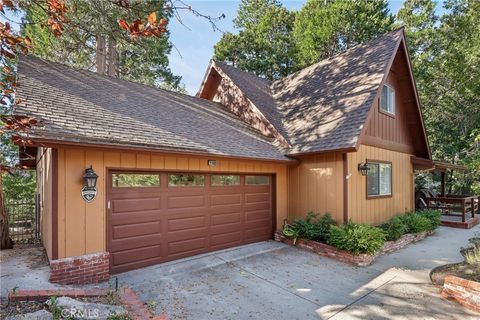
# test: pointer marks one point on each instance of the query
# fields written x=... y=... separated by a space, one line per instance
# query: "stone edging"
x=44 y=295
x=466 y=292
x=360 y=260
x=128 y=297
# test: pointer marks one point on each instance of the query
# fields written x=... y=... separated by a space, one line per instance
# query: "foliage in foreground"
x=360 y=238
x=314 y=227
x=357 y=238
x=414 y=222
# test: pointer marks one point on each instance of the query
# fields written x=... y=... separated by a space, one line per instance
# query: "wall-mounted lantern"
x=89 y=190
x=363 y=168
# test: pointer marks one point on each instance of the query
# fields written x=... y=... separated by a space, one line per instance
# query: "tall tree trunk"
x=5 y=240
x=112 y=58
x=101 y=55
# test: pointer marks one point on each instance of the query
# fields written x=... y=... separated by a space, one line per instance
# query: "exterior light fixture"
x=363 y=168
x=89 y=190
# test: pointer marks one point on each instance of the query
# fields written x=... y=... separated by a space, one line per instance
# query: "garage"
x=155 y=217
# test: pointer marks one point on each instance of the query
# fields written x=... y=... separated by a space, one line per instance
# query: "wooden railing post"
x=463 y=210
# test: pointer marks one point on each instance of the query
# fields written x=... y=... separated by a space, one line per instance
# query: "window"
x=379 y=179
x=227 y=180
x=387 y=100
x=185 y=180
x=257 y=180
x=135 y=180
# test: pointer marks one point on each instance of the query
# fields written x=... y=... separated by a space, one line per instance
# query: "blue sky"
x=193 y=46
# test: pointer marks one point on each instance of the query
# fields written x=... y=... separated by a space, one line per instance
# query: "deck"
x=458 y=211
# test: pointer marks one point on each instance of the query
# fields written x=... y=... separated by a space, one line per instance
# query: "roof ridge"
x=347 y=51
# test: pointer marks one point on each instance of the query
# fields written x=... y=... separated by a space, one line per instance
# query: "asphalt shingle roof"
x=325 y=106
x=85 y=107
x=258 y=92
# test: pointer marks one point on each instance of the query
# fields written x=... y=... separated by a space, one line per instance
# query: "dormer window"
x=387 y=100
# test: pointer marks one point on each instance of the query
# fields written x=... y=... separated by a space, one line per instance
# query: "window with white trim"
x=387 y=100
x=379 y=179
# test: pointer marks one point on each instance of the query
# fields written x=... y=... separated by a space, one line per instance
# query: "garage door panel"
x=135 y=242
x=134 y=255
x=136 y=229
x=229 y=239
x=221 y=210
x=179 y=235
x=187 y=246
x=257 y=197
x=225 y=218
x=153 y=226
x=258 y=234
x=225 y=200
x=185 y=223
x=134 y=217
x=258 y=215
x=187 y=201
x=257 y=206
x=138 y=204
x=224 y=228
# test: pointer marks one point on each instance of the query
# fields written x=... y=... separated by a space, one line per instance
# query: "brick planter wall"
x=326 y=250
x=90 y=268
x=404 y=241
x=360 y=260
x=465 y=292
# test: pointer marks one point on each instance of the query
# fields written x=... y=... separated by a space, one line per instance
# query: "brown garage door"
x=155 y=217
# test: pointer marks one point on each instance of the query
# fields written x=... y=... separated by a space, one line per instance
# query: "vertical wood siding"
x=376 y=211
x=82 y=226
x=316 y=184
x=44 y=183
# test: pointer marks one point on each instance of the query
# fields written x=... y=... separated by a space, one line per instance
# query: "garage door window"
x=225 y=180
x=135 y=180
x=257 y=180
x=186 y=180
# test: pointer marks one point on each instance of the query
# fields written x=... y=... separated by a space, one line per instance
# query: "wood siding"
x=377 y=211
x=219 y=88
x=316 y=184
x=44 y=189
x=397 y=132
x=82 y=226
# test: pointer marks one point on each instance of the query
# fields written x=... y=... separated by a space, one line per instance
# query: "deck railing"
x=455 y=205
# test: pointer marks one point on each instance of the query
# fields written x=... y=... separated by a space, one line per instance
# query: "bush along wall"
x=355 y=243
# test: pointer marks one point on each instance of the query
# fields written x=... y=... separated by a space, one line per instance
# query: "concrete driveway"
x=270 y=280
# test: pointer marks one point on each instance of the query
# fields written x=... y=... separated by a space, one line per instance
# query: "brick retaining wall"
x=90 y=268
x=466 y=292
x=360 y=260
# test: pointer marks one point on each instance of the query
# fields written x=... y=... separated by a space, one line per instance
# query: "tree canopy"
x=93 y=32
x=264 y=42
x=325 y=28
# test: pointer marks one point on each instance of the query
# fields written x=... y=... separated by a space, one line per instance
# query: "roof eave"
x=57 y=143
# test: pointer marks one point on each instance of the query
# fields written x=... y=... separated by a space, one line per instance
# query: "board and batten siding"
x=377 y=211
x=316 y=184
x=82 y=226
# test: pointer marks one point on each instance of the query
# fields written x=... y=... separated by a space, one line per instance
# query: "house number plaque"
x=88 y=194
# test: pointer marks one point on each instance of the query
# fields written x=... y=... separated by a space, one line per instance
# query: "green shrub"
x=394 y=228
x=434 y=216
x=313 y=227
x=357 y=238
x=416 y=222
x=291 y=232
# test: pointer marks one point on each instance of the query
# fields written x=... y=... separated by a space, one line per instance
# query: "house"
x=178 y=175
